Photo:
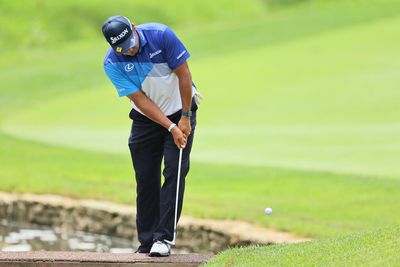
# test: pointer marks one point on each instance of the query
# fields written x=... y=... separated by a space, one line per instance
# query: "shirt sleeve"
x=175 y=51
x=123 y=85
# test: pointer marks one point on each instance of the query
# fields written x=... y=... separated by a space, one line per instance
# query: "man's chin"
x=129 y=54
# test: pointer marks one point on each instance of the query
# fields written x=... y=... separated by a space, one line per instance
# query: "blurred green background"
x=301 y=109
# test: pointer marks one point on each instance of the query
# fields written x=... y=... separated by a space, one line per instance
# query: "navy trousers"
x=149 y=144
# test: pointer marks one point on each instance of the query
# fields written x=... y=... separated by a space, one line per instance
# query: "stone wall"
x=99 y=217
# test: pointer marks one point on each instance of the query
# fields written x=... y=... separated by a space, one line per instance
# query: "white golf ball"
x=268 y=211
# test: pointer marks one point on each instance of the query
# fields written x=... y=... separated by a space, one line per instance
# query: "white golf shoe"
x=160 y=249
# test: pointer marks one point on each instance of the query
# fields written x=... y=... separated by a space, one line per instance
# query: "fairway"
x=332 y=114
x=301 y=114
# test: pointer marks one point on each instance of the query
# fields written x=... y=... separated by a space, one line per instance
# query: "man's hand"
x=179 y=137
x=184 y=125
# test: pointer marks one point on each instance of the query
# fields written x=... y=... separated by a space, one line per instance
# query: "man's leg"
x=146 y=146
x=168 y=190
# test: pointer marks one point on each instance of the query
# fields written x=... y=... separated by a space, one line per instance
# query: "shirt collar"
x=143 y=40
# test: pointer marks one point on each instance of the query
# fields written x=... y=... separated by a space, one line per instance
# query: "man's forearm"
x=151 y=110
x=185 y=85
x=185 y=88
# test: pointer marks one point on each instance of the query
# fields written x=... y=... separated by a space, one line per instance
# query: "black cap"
x=119 y=34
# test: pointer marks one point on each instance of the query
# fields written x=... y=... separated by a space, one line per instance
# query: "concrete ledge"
x=51 y=258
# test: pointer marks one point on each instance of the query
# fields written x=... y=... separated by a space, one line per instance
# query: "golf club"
x=177 y=198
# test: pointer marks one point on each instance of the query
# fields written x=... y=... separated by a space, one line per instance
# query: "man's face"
x=135 y=49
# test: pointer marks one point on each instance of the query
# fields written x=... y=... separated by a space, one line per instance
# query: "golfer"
x=148 y=64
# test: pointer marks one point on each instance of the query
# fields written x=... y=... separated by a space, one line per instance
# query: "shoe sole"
x=156 y=254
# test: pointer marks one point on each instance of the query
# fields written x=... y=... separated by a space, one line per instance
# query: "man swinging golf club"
x=148 y=64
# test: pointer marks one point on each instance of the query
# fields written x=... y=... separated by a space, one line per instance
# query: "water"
x=28 y=237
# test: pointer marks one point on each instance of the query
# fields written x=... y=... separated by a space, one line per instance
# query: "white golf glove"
x=198 y=98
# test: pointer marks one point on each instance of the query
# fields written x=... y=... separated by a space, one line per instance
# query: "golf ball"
x=268 y=211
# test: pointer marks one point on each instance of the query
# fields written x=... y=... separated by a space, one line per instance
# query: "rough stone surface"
x=100 y=217
x=54 y=257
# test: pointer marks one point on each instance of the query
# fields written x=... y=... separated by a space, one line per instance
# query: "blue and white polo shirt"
x=151 y=69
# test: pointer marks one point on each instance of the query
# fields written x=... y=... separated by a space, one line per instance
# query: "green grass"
x=45 y=23
x=333 y=115
x=374 y=248
x=40 y=168
x=300 y=112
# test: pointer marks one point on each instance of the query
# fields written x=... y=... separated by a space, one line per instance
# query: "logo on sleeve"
x=181 y=54
x=129 y=67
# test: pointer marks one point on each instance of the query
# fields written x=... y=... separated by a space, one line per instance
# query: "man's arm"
x=185 y=88
x=153 y=112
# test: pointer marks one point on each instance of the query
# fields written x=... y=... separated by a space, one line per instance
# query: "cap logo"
x=119 y=37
